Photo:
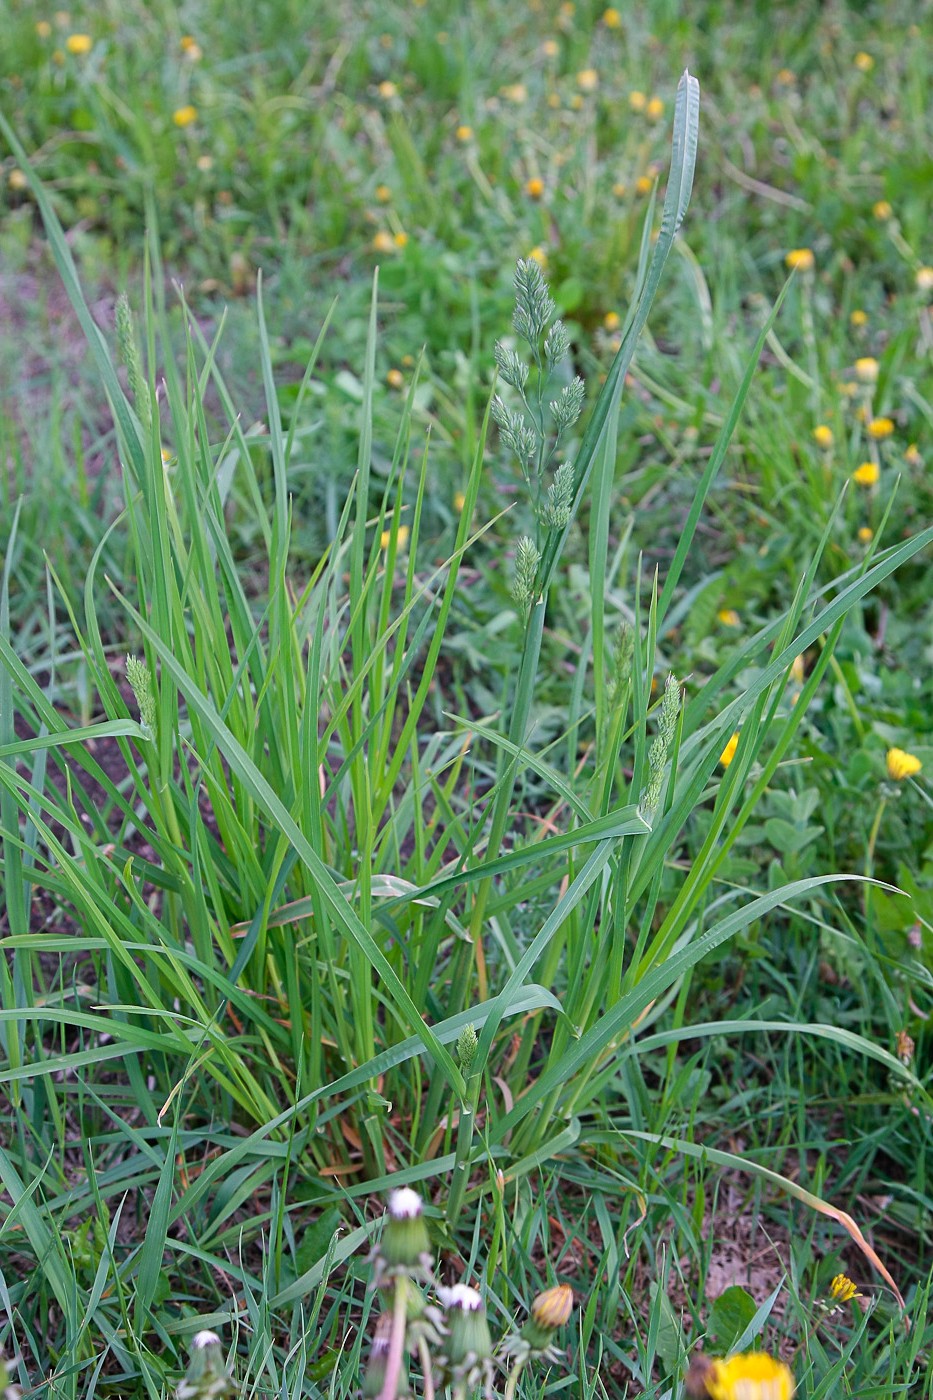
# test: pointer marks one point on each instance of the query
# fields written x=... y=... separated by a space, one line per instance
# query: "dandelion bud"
x=549 y=1311
x=468 y=1346
x=374 y=1379
x=207 y=1377
x=404 y=1245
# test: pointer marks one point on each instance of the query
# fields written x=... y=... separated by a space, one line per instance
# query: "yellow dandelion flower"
x=619 y=190
x=867 y=474
x=193 y=52
x=395 y=379
x=534 y=187
x=400 y=239
x=882 y=210
x=79 y=43
x=515 y=92
x=786 y=76
x=612 y=19
x=859 y=317
x=728 y=617
x=644 y=184
x=612 y=320
x=588 y=80
x=383 y=194
x=550 y=48
x=185 y=116
x=540 y=256
x=864 y=62
x=843 y=1289
x=637 y=101
x=459 y=501
x=387 y=90
x=408 y=361
x=751 y=1376
x=464 y=133
x=924 y=279
x=552 y=1308
x=43 y=28
x=866 y=370
x=866 y=534
x=901 y=764
x=880 y=427
x=728 y=753
x=655 y=109
x=401 y=537
x=823 y=435
x=801 y=259
x=383 y=242
x=186 y=42
x=912 y=456
x=17 y=179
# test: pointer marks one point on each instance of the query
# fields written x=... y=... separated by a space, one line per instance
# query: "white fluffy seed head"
x=405 y=1204
x=460 y=1296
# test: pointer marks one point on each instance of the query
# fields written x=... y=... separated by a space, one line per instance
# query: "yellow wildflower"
x=185 y=116
x=550 y=48
x=400 y=239
x=577 y=101
x=866 y=370
x=728 y=753
x=901 y=764
x=588 y=80
x=866 y=534
x=43 y=28
x=612 y=19
x=912 y=456
x=515 y=92
x=552 y=1308
x=823 y=435
x=843 y=1289
x=534 y=188
x=786 y=76
x=864 y=62
x=612 y=320
x=882 y=210
x=801 y=259
x=637 y=101
x=867 y=474
x=655 y=109
x=58 y=56
x=924 y=279
x=644 y=184
x=79 y=43
x=401 y=537
x=17 y=179
x=395 y=379
x=464 y=133
x=859 y=317
x=388 y=90
x=383 y=194
x=383 y=242
x=728 y=617
x=880 y=428
x=619 y=190
x=540 y=256
x=749 y=1376
x=187 y=41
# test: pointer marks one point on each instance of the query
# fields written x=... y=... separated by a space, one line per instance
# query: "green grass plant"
x=335 y=857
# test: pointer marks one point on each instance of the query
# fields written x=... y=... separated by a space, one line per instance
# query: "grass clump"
x=469 y=850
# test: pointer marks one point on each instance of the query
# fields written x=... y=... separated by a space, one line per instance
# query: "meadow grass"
x=393 y=858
